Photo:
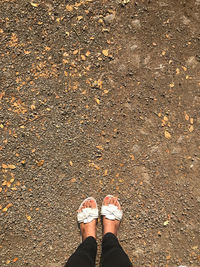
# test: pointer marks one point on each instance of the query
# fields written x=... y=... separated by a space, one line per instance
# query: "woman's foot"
x=88 y=229
x=111 y=226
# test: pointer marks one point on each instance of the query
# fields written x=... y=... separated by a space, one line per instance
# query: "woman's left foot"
x=88 y=229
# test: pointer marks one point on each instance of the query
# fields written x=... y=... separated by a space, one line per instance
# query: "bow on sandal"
x=111 y=211
x=87 y=214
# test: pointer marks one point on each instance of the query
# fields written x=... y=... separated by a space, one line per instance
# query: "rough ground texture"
x=99 y=97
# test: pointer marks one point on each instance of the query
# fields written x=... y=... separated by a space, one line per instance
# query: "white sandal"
x=111 y=211
x=87 y=214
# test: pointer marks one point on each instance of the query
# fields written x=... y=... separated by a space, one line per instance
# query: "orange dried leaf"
x=32 y=107
x=80 y=18
x=40 y=163
x=73 y=180
x=12 y=180
x=187 y=117
x=28 y=217
x=8 y=184
x=83 y=57
x=34 y=4
x=167 y=135
x=4 y=166
x=105 y=172
x=11 y=166
x=99 y=147
x=88 y=53
x=105 y=53
x=69 y=8
x=191 y=128
x=15 y=259
x=97 y=100
x=13 y=188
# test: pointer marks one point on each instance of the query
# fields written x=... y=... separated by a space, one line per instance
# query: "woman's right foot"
x=111 y=226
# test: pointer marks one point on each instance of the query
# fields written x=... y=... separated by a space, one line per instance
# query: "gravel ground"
x=99 y=97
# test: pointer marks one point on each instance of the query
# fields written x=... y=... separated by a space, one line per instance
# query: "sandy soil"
x=99 y=97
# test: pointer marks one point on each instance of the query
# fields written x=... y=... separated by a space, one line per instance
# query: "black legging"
x=113 y=254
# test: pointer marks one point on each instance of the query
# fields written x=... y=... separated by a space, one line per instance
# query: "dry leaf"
x=80 y=18
x=83 y=57
x=13 y=188
x=184 y=68
x=7 y=207
x=171 y=85
x=11 y=166
x=167 y=135
x=40 y=163
x=28 y=217
x=75 y=52
x=1 y=126
x=8 y=184
x=177 y=71
x=99 y=147
x=105 y=53
x=34 y=4
x=73 y=180
x=32 y=107
x=12 y=180
x=105 y=172
x=15 y=259
x=187 y=117
x=191 y=128
x=97 y=100
x=88 y=53
x=27 y=52
x=4 y=166
x=191 y=120
x=69 y=8
x=70 y=163
x=165 y=118
x=132 y=157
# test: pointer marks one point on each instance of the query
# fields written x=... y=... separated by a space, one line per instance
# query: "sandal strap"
x=111 y=212
x=87 y=215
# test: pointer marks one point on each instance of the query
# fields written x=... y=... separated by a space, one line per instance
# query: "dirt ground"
x=99 y=97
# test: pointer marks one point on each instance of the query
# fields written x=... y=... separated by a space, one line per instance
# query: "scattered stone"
x=136 y=23
x=192 y=62
x=185 y=20
x=123 y=2
x=109 y=18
